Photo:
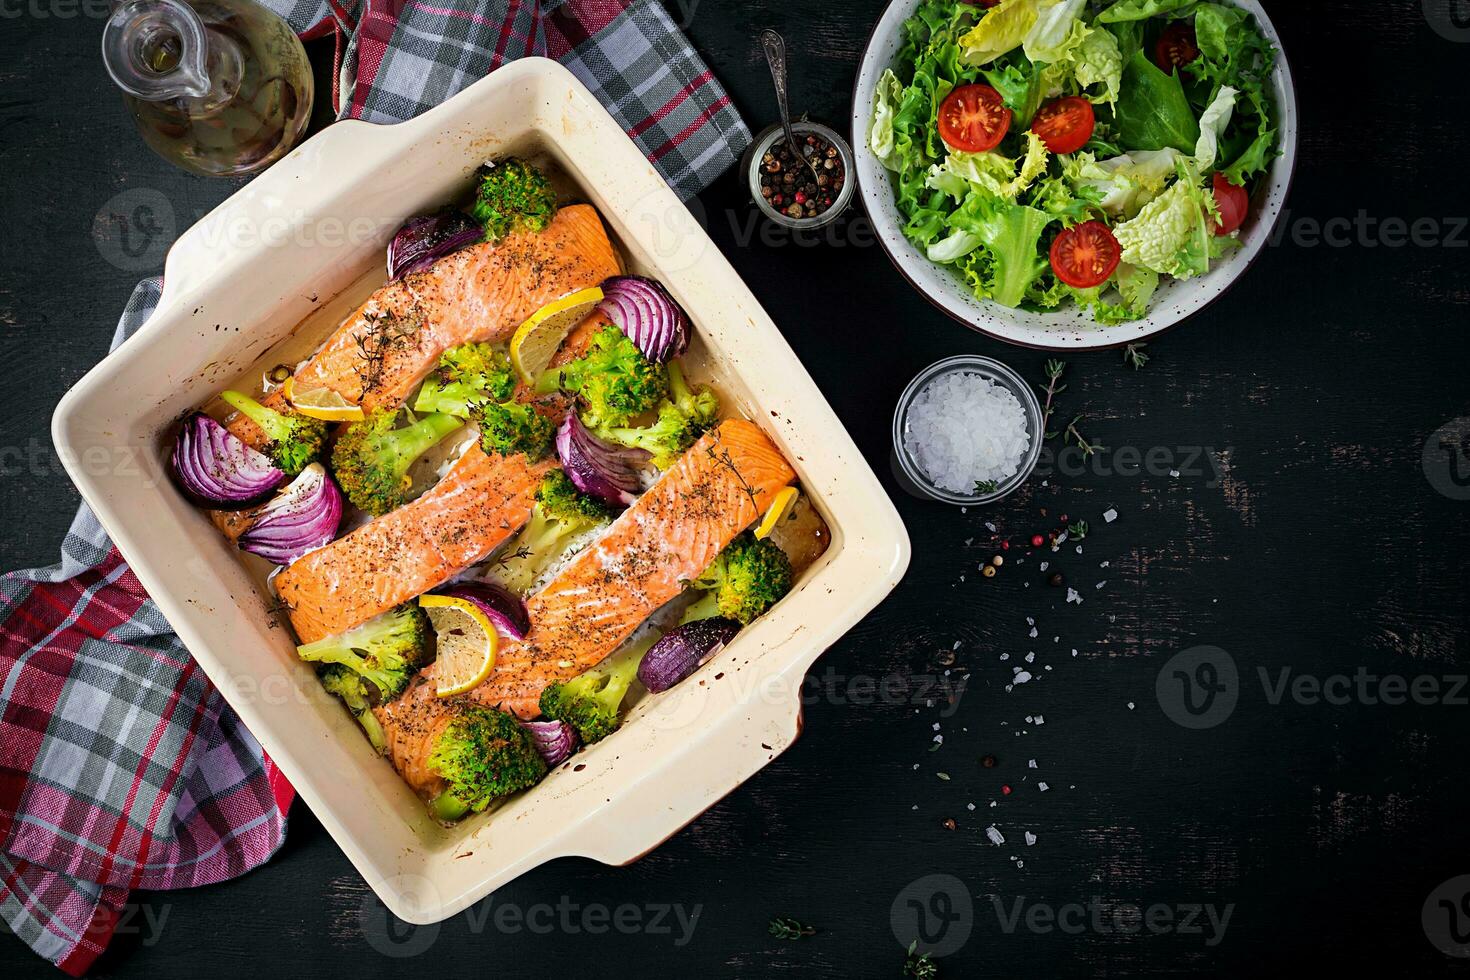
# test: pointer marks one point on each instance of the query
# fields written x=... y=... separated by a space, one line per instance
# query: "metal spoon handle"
x=775 y=49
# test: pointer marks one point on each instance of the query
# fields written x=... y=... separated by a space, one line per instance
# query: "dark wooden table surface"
x=1304 y=535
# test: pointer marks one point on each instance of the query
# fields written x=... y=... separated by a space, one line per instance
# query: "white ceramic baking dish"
x=302 y=244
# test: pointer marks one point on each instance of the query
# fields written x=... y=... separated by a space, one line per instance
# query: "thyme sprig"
x=1073 y=436
x=785 y=928
x=1134 y=357
x=919 y=967
x=1054 y=387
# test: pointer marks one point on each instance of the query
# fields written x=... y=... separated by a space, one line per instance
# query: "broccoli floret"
x=512 y=427
x=513 y=196
x=560 y=513
x=371 y=458
x=743 y=581
x=295 y=440
x=359 y=695
x=385 y=651
x=483 y=754
x=590 y=701
x=467 y=375
x=682 y=419
x=614 y=379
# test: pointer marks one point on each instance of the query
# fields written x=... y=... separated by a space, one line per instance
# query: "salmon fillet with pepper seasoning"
x=478 y=294
x=665 y=539
x=480 y=502
x=670 y=535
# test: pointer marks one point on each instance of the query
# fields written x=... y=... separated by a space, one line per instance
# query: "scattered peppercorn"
x=789 y=186
x=1005 y=546
x=950 y=824
x=1056 y=580
x=1037 y=541
x=988 y=571
x=988 y=761
x=1006 y=790
x=998 y=561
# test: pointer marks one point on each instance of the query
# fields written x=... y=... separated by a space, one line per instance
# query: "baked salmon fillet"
x=670 y=535
x=478 y=294
x=664 y=540
x=480 y=502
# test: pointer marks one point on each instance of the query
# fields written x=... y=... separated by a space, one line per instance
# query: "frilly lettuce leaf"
x=1097 y=61
x=990 y=173
x=1122 y=184
x=1010 y=259
x=1127 y=10
x=881 y=137
x=1051 y=36
x=1003 y=28
x=1173 y=233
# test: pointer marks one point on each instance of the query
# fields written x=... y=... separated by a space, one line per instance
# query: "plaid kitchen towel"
x=397 y=58
x=121 y=767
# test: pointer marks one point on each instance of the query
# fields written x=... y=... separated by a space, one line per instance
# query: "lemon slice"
x=775 y=512
x=321 y=403
x=536 y=341
x=467 y=643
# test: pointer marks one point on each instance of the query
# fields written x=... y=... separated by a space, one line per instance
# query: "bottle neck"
x=157 y=50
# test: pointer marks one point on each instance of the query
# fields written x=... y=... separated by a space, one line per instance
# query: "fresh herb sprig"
x=919 y=967
x=1134 y=357
x=1073 y=436
x=786 y=928
x=1077 y=531
x=1054 y=387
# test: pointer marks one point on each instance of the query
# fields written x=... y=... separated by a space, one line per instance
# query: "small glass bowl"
x=767 y=139
x=984 y=367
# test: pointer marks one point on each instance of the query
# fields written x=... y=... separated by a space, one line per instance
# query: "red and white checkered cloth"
x=121 y=766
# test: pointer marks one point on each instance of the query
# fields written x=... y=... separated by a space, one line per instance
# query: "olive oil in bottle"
x=218 y=87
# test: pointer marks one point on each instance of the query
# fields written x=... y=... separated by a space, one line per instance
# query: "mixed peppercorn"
x=787 y=184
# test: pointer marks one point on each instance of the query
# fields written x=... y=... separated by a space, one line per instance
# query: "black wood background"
x=1302 y=534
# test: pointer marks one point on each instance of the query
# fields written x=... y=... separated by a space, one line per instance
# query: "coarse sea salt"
x=964 y=429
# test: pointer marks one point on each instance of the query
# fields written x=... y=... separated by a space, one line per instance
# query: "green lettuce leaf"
x=1173 y=233
x=1098 y=61
x=1212 y=125
x=1051 y=38
x=1011 y=238
x=1003 y=29
x=881 y=137
x=1128 y=10
x=1123 y=184
x=1153 y=112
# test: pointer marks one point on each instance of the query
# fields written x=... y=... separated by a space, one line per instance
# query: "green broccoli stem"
x=448 y=807
x=449 y=399
x=706 y=606
x=276 y=426
x=549 y=381
x=412 y=441
x=679 y=391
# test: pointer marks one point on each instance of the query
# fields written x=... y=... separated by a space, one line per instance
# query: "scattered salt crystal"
x=1104 y=564
x=1174 y=474
x=936 y=726
x=1101 y=584
x=1031 y=657
x=995 y=836
x=1030 y=838
x=1021 y=677
x=1032 y=634
x=963 y=429
x=1074 y=596
x=969 y=806
x=1030 y=763
x=1030 y=621
x=1040 y=720
x=1044 y=564
x=1043 y=787
x=1005 y=656
x=1130 y=705
x=990 y=527
x=1074 y=651
x=1110 y=515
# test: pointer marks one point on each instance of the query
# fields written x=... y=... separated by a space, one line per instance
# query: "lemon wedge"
x=467 y=643
x=779 y=506
x=321 y=403
x=536 y=341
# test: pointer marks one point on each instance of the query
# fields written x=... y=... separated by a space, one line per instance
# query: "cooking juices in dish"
x=512 y=504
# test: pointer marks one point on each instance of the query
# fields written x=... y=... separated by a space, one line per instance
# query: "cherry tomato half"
x=1234 y=204
x=1177 y=47
x=1085 y=255
x=1065 y=125
x=973 y=118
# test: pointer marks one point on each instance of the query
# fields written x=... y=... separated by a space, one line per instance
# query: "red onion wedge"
x=215 y=469
x=683 y=650
x=423 y=241
x=643 y=309
x=555 y=740
x=609 y=473
x=303 y=518
x=503 y=607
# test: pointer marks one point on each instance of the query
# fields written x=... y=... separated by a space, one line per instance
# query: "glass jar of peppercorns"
x=785 y=187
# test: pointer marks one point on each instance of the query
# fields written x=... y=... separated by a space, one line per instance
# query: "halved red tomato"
x=973 y=118
x=1065 y=125
x=1234 y=204
x=1177 y=46
x=1085 y=255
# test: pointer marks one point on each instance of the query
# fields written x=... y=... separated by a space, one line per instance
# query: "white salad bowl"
x=303 y=244
x=1069 y=328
